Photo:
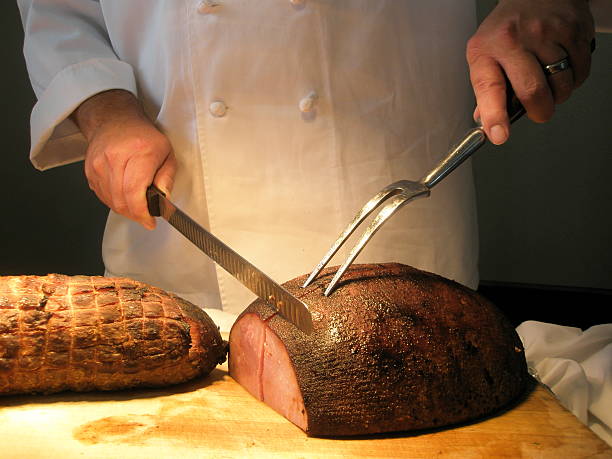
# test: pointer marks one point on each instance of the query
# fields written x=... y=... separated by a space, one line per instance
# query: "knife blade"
x=250 y=276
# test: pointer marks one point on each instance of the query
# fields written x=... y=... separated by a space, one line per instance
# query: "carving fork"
x=402 y=192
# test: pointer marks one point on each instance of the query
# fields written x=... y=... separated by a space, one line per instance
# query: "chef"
x=271 y=122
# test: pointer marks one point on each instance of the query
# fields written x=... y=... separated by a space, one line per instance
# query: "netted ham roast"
x=85 y=333
x=393 y=348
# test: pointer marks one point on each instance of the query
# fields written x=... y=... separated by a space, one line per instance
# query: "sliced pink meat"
x=262 y=366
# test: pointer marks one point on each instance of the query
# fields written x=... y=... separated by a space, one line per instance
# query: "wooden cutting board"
x=215 y=417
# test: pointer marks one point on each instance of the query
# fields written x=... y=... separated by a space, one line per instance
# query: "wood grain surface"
x=215 y=417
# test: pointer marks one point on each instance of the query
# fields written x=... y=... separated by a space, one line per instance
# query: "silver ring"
x=557 y=67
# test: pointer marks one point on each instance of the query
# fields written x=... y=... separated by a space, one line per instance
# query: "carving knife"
x=251 y=277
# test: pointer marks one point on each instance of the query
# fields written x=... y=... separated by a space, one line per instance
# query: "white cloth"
x=285 y=118
x=577 y=366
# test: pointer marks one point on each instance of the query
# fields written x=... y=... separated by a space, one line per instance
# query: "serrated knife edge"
x=245 y=272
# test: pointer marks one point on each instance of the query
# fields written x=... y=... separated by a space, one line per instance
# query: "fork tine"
x=367 y=209
x=385 y=213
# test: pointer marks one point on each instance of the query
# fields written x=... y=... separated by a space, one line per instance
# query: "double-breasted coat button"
x=217 y=109
x=208 y=6
x=307 y=104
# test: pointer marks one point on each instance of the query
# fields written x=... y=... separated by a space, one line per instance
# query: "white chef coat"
x=285 y=117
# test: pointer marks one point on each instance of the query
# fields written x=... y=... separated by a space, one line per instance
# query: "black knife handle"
x=513 y=105
x=153 y=194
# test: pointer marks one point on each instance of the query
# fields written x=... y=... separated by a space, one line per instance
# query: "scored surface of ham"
x=85 y=333
x=393 y=348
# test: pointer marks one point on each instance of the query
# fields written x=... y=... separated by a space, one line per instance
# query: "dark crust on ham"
x=395 y=348
x=84 y=333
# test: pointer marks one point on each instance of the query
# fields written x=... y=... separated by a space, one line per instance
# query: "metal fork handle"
x=471 y=142
x=475 y=138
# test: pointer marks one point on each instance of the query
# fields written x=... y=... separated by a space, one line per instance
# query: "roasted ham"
x=86 y=333
x=393 y=348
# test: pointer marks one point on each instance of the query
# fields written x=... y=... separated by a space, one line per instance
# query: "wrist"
x=112 y=107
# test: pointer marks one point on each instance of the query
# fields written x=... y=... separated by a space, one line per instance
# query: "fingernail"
x=498 y=134
x=165 y=189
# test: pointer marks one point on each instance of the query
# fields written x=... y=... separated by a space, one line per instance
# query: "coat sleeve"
x=69 y=59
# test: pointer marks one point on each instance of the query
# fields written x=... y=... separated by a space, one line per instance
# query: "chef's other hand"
x=519 y=37
x=126 y=153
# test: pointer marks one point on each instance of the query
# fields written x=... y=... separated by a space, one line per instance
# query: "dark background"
x=544 y=198
x=50 y=221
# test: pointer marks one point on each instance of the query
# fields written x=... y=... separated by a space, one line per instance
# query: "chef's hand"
x=126 y=153
x=519 y=37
